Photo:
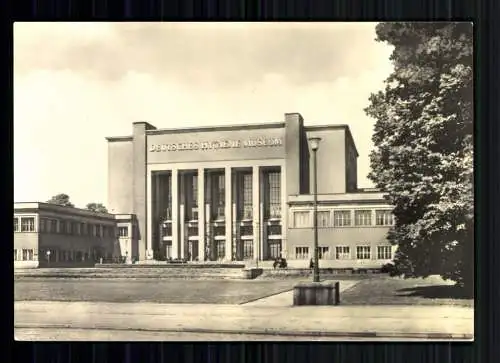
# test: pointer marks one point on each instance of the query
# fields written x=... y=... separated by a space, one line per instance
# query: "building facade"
x=53 y=235
x=243 y=193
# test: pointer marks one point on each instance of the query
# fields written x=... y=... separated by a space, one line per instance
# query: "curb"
x=277 y=333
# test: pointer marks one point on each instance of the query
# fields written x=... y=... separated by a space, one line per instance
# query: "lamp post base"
x=316 y=293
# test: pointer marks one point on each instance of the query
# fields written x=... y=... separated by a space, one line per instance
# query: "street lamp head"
x=314 y=142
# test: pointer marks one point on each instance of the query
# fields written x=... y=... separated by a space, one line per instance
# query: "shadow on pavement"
x=437 y=292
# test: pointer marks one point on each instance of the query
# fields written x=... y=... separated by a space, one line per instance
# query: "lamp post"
x=48 y=257
x=314 y=143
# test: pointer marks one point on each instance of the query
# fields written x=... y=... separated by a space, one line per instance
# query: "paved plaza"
x=426 y=322
x=152 y=309
x=271 y=318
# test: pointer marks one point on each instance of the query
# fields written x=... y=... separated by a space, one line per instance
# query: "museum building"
x=244 y=192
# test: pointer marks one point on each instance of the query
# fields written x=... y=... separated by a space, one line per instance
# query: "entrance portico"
x=217 y=210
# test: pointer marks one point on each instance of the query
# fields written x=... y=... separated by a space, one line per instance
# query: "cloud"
x=228 y=54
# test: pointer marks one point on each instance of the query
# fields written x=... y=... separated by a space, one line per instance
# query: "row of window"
x=57 y=255
x=217 y=195
x=343 y=218
x=344 y=253
x=24 y=255
x=27 y=224
x=51 y=225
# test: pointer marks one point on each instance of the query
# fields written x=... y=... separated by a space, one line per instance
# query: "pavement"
x=265 y=320
x=58 y=334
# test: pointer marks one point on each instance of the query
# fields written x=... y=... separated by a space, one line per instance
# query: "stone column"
x=182 y=216
x=234 y=241
x=228 y=212
x=201 y=214
x=256 y=211
x=208 y=217
x=149 y=202
x=208 y=232
x=175 y=213
x=263 y=227
x=262 y=233
x=182 y=231
x=284 y=214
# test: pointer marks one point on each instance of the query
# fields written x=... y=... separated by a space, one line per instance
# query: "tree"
x=97 y=207
x=423 y=155
x=61 y=199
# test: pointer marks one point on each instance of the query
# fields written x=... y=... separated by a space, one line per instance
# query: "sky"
x=76 y=83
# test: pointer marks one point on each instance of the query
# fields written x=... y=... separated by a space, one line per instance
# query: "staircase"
x=150 y=272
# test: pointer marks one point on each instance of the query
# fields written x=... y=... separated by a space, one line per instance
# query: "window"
x=247 y=196
x=96 y=230
x=43 y=225
x=169 y=196
x=384 y=252
x=27 y=255
x=274 y=230
x=274 y=248
x=363 y=252
x=247 y=249
x=123 y=231
x=363 y=217
x=302 y=253
x=15 y=255
x=166 y=229
x=62 y=226
x=194 y=213
x=27 y=224
x=219 y=195
x=52 y=226
x=168 y=251
x=274 y=179
x=323 y=219
x=111 y=231
x=76 y=228
x=384 y=218
x=221 y=189
x=69 y=227
x=16 y=224
x=220 y=249
x=323 y=252
x=342 y=218
x=301 y=219
x=195 y=190
x=104 y=231
x=84 y=229
x=342 y=253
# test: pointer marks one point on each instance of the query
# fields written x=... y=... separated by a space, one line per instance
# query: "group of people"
x=280 y=262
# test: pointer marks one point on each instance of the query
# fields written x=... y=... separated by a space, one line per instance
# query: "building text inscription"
x=215 y=145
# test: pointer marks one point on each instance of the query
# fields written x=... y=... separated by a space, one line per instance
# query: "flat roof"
x=21 y=206
x=368 y=197
x=235 y=127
